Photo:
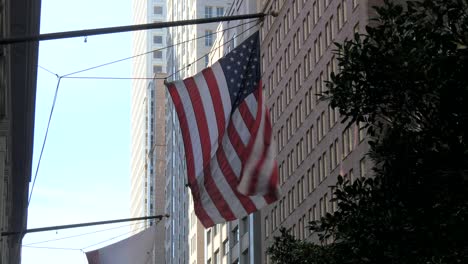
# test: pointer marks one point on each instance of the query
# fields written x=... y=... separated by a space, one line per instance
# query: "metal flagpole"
x=50 y=228
x=110 y=30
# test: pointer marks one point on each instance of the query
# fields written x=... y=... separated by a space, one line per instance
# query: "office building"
x=147 y=120
x=314 y=147
x=18 y=74
x=184 y=234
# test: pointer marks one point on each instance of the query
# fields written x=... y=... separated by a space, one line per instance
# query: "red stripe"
x=231 y=178
x=254 y=130
x=266 y=138
x=247 y=115
x=217 y=101
x=199 y=210
x=235 y=139
x=205 y=141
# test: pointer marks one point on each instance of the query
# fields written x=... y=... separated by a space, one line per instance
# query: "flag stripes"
x=228 y=145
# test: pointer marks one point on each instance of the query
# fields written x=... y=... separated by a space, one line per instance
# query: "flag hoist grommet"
x=227 y=135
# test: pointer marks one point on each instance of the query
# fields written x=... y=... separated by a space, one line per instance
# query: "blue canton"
x=241 y=67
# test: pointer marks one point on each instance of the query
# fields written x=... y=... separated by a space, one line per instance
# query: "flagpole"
x=50 y=228
x=110 y=30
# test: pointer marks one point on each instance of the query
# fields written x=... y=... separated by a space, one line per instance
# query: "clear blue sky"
x=84 y=174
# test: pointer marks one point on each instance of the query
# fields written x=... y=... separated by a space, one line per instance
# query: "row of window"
x=299 y=193
x=351 y=136
x=209 y=11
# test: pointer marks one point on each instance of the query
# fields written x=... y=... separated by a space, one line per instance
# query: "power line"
x=110 y=30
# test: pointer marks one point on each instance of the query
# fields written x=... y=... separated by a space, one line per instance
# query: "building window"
x=220 y=11
x=157 y=54
x=208 y=237
x=158 y=10
x=208 y=38
x=235 y=235
x=362 y=167
x=208 y=11
x=215 y=230
x=226 y=247
x=157 y=39
x=157 y=69
x=216 y=259
x=245 y=256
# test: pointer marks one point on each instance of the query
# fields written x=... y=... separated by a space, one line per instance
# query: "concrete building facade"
x=188 y=51
x=18 y=74
x=314 y=147
x=148 y=120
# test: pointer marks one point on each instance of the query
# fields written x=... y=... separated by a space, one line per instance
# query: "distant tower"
x=148 y=119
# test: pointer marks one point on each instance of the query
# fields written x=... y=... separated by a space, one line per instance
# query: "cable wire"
x=89 y=233
x=45 y=139
x=155 y=78
x=58 y=248
x=112 y=238
x=148 y=52
x=49 y=71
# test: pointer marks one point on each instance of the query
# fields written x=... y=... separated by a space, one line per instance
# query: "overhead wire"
x=159 y=49
x=57 y=248
x=45 y=139
x=162 y=78
x=121 y=235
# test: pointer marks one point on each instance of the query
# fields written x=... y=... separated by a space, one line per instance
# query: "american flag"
x=227 y=135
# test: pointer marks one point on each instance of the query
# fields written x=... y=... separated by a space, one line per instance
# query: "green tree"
x=406 y=80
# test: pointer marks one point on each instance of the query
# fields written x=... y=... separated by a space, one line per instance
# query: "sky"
x=84 y=174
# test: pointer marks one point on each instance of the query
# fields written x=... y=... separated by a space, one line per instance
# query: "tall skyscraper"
x=148 y=120
x=313 y=145
x=184 y=234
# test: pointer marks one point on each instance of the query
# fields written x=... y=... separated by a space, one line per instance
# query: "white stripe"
x=206 y=201
x=223 y=90
x=258 y=200
x=266 y=170
x=226 y=190
x=252 y=104
x=231 y=156
x=192 y=126
x=209 y=110
x=256 y=153
x=241 y=127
